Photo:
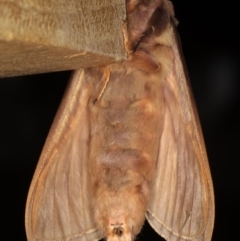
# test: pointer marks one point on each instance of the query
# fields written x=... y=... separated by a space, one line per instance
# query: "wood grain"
x=41 y=36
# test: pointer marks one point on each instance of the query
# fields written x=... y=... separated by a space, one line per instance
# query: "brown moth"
x=126 y=144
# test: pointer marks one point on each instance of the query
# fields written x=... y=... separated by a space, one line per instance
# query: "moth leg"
x=127 y=42
x=105 y=79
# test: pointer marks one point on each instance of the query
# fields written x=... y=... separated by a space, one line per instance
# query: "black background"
x=209 y=33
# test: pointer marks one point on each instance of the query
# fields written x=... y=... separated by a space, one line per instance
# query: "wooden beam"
x=42 y=36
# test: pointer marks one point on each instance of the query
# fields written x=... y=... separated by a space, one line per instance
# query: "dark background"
x=209 y=33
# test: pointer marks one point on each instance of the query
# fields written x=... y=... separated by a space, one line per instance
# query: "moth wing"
x=59 y=199
x=182 y=202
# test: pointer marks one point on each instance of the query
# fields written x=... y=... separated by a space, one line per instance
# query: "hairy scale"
x=125 y=134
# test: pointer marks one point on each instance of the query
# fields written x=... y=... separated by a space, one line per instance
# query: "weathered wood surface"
x=51 y=35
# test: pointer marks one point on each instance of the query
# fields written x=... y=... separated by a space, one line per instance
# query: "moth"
x=126 y=144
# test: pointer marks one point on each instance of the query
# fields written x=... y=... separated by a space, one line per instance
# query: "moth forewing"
x=58 y=199
x=182 y=202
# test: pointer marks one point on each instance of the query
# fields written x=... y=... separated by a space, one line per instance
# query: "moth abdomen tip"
x=119 y=232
